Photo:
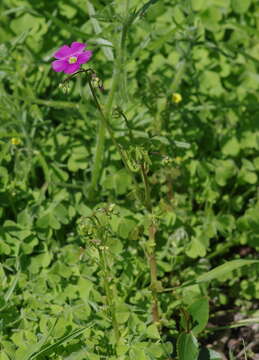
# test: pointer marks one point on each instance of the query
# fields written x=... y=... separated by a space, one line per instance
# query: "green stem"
x=153 y=272
x=180 y=71
x=98 y=159
x=151 y=254
x=100 y=145
x=105 y=124
x=178 y=76
x=109 y=294
x=148 y=203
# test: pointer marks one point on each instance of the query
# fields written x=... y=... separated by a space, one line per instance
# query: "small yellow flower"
x=15 y=141
x=176 y=98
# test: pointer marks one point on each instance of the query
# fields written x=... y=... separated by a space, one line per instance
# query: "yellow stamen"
x=72 y=59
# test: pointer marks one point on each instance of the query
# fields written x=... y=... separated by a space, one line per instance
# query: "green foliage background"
x=203 y=173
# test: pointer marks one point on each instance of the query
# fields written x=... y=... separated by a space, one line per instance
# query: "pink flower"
x=71 y=58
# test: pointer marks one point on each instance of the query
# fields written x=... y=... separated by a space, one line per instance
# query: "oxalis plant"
x=125 y=337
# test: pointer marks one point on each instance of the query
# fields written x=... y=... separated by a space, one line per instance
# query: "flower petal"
x=59 y=65
x=63 y=52
x=84 y=57
x=71 y=68
x=77 y=47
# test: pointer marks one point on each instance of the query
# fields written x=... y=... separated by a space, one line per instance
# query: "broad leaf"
x=187 y=347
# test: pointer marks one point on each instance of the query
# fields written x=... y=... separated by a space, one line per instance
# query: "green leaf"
x=249 y=139
x=78 y=159
x=225 y=169
x=48 y=220
x=256 y=163
x=61 y=214
x=241 y=6
x=122 y=313
x=122 y=348
x=199 y=310
x=231 y=147
x=24 y=218
x=137 y=352
x=61 y=24
x=187 y=347
x=120 y=181
x=196 y=247
x=211 y=82
x=125 y=227
x=4 y=356
x=29 y=244
x=199 y=243
x=84 y=288
x=27 y=22
x=152 y=332
x=80 y=355
x=224 y=269
x=246 y=176
x=198 y=5
x=157 y=350
x=67 y=10
x=4 y=248
x=225 y=223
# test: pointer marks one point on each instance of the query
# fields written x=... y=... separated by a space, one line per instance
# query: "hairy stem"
x=109 y=294
x=151 y=249
x=100 y=145
x=153 y=272
x=148 y=204
x=106 y=125
x=98 y=159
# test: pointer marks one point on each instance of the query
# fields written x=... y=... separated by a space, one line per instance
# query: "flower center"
x=72 y=59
